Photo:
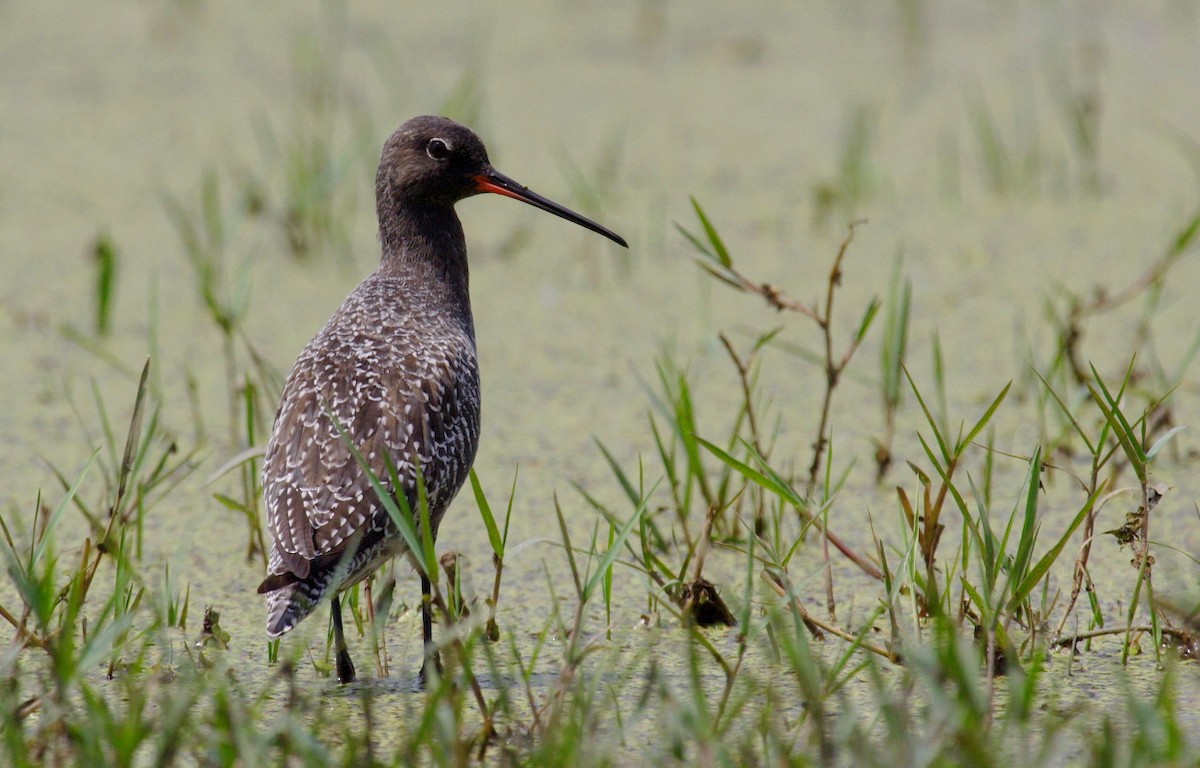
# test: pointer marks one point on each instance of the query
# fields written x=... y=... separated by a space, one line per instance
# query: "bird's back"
x=394 y=373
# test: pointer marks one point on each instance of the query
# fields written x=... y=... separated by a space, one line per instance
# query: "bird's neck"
x=426 y=244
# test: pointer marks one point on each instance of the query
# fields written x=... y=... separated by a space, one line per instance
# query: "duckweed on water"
x=814 y=542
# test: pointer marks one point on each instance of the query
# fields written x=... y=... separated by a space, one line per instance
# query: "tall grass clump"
x=970 y=592
x=307 y=186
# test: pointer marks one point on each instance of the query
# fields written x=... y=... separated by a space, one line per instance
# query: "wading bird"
x=393 y=374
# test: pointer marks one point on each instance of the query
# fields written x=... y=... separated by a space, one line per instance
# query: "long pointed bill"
x=492 y=180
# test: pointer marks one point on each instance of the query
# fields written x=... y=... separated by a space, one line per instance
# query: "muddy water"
x=748 y=108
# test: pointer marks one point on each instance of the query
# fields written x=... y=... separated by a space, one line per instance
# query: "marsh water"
x=971 y=164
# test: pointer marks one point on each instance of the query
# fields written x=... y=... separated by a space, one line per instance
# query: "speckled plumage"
x=401 y=378
x=395 y=368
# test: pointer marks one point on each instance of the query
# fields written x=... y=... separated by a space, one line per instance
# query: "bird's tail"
x=288 y=604
x=290 y=598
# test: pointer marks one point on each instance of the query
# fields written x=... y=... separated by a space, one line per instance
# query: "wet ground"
x=749 y=108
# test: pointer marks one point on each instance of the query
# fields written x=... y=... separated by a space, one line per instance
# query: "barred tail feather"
x=291 y=598
x=288 y=605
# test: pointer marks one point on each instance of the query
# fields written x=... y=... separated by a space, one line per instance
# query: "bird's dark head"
x=430 y=160
x=435 y=162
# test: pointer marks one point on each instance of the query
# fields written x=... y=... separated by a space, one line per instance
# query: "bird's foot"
x=345 y=667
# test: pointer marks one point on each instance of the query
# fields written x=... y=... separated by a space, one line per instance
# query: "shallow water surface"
x=749 y=108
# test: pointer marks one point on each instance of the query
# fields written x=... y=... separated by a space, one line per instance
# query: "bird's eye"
x=438 y=149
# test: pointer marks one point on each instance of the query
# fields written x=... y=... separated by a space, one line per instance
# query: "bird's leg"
x=430 y=651
x=345 y=667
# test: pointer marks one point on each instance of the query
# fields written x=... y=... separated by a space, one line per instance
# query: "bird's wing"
x=389 y=405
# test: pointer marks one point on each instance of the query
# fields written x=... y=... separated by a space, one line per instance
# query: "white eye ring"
x=438 y=149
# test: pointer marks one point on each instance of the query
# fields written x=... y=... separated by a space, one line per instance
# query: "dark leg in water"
x=345 y=667
x=430 y=652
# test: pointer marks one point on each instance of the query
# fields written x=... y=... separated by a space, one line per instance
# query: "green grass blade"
x=987 y=416
x=57 y=514
x=718 y=245
x=104 y=251
x=1029 y=523
x=1062 y=406
x=396 y=505
x=619 y=473
x=613 y=550
x=1121 y=428
x=427 y=543
x=485 y=511
x=1184 y=239
x=1042 y=567
x=508 y=509
x=566 y=537
x=929 y=417
x=868 y=318
x=1161 y=442
x=771 y=483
